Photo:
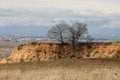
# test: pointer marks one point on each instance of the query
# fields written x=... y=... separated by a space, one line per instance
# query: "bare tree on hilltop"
x=75 y=32
x=58 y=32
x=70 y=33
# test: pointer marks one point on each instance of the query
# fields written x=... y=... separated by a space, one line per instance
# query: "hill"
x=51 y=51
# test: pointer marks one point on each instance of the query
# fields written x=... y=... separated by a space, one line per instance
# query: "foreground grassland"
x=83 y=69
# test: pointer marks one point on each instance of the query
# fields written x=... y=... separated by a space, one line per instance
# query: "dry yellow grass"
x=61 y=74
x=84 y=69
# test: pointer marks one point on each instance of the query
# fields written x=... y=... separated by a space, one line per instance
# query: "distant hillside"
x=52 y=51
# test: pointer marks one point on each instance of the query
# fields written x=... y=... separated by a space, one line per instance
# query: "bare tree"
x=57 y=32
x=89 y=38
x=76 y=31
x=68 y=33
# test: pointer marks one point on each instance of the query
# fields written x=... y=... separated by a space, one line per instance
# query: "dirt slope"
x=52 y=51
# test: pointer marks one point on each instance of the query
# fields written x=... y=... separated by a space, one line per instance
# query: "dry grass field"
x=83 y=69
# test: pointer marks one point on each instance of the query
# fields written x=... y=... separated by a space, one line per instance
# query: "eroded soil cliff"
x=52 y=51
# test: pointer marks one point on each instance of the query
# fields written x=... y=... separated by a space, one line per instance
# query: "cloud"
x=50 y=16
x=42 y=16
x=98 y=22
x=114 y=24
x=100 y=5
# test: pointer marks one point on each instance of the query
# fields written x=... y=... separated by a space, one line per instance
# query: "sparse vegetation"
x=66 y=33
x=84 y=69
x=34 y=43
x=56 y=63
x=54 y=51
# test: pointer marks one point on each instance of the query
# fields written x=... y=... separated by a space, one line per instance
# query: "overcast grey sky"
x=100 y=15
x=100 y=5
x=40 y=12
